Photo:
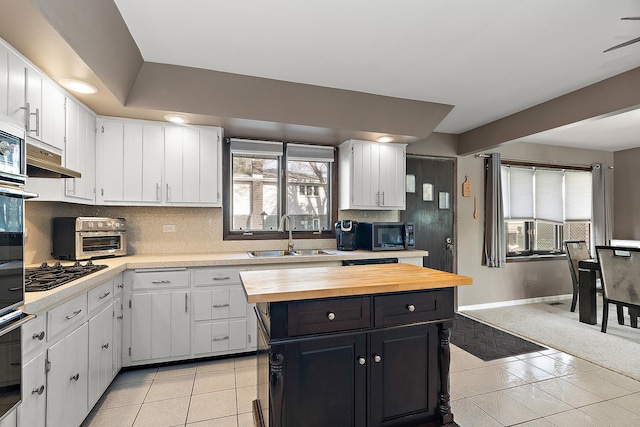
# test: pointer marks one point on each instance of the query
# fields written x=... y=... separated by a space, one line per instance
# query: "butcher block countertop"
x=325 y=282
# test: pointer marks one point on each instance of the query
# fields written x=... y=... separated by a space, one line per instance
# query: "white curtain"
x=495 y=251
x=602 y=205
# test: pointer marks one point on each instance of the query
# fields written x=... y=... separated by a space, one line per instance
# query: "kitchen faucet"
x=282 y=222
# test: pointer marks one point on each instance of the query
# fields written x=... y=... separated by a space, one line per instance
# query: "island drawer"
x=412 y=307
x=329 y=315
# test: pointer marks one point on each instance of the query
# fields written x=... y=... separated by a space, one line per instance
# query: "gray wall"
x=626 y=206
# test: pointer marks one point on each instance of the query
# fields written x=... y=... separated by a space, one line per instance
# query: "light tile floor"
x=541 y=389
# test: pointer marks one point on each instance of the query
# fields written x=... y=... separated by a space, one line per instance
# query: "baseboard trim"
x=513 y=302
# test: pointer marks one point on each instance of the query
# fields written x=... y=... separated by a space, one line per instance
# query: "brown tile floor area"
x=542 y=389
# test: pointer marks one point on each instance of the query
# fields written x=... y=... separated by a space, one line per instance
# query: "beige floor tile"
x=215 y=365
x=170 y=388
x=617 y=379
x=573 y=418
x=122 y=416
x=163 y=413
x=466 y=413
x=207 y=382
x=469 y=385
x=526 y=371
x=567 y=392
x=176 y=370
x=540 y=422
x=503 y=408
x=218 y=422
x=596 y=385
x=135 y=376
x=245 y=397
x=246 y=376
x=463 y=361
x=246 y=360
x=576 y=362
x=207 y=406
x=245 y=420
x=611 y=415
x=123 y=395
x=551 y=365
x=530 y=355
x=630 y=402
x=495 y=376
x=538 y=401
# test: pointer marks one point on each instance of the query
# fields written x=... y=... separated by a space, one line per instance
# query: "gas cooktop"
x=47 y=277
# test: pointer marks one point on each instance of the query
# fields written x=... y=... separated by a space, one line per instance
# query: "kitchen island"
x=353 y=346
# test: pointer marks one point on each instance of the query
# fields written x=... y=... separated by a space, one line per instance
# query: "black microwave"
x=385 y=236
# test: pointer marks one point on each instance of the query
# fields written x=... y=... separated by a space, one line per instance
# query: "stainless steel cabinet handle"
x=382 y=204
x=222 y=278
x=157 y=192
x=38 y=390
x=75 y=313
x=105 y=346
x=220 y=305
x=167 y=193
x=28 y=123
x=75 y=377
x=106 y=294
x=362 y=360
x=378 y=199
x=37 y=122
x=161 y=281
x=38 y=336
x=377 y=358
x=221 y=338
x=186 y=296
x=331 y=316
x=411 y=307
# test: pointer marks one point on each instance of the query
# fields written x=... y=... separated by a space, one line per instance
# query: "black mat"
x=486 y=342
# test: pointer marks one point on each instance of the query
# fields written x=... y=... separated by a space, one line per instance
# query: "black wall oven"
x=12 y=197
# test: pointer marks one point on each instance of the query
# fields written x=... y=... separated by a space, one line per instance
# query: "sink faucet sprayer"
x=282 y=223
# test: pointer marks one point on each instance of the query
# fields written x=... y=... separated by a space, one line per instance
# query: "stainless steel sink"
x=312 y=252
x=260 y=254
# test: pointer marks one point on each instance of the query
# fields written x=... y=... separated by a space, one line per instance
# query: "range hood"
x=42 y=163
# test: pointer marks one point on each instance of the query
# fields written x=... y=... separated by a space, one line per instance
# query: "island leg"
x=444 y=362
x=276 y=385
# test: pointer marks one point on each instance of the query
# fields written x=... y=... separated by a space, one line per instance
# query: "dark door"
x=404 y=381
x=434 y=222
x=325 y=382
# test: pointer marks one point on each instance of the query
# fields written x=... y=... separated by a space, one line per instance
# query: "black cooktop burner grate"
x=47 y=277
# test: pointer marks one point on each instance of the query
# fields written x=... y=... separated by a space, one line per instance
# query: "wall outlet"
x=168 y=228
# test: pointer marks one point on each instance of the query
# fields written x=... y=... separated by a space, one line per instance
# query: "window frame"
x=227 y=221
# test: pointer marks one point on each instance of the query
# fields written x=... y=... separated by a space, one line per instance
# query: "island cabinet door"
x=325 y=383
x=403 y=376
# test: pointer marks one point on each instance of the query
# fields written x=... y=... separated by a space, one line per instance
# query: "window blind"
x=577 y=196
x=549 y=203
x=521 y=193
x=250 y=147
x=310 y=153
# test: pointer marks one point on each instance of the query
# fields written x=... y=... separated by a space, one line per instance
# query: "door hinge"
x=129 y=351
x=129 y=303
x=249 y=337
x=101 y=129
x=47 y=365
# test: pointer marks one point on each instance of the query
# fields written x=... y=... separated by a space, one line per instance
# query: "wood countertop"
x=325 y=282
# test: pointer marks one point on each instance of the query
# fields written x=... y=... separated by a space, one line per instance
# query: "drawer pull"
x=75 y=377
x=221 y=338
x=38 y=390
x=119 y=317
x=105 y=346
x=222 y=278
x=331 y=315
x=220 y=305
x=75 y=313
x=106 y=294
x=411 y=308
x=120 y=286
x=39 y=336
x=377 y=358
x=161 y=281
x=362 y=360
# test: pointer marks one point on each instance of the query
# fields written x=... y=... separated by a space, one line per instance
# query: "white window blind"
x=248 y=147
x=506 y=200
x=521 y=193
x=577 y=196
x=309 y=153
x=549 y=203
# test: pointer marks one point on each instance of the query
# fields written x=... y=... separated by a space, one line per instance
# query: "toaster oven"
x=80 y=238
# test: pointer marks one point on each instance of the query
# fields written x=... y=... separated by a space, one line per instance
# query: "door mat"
x=487 y=342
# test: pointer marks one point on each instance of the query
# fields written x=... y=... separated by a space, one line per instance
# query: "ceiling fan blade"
x=631 y=18
x=627 y=43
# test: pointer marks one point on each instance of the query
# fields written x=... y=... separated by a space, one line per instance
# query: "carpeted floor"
x=553 y=325
x=487 y=342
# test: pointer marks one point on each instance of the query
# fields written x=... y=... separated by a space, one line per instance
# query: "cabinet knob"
x=377 y=358
x=38 y=336
x=411 y=308
x=105 y=346
x=75 y=377
x=362 y=360
x=331 y=316
x=38 y=390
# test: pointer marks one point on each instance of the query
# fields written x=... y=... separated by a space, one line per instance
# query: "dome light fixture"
x=176 y=118
x=384 y=138
x=78 y=86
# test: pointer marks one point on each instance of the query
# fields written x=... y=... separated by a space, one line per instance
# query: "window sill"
x=536 y=257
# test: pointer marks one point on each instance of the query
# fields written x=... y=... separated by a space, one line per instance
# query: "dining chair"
x=577 y=250
x=620 y=274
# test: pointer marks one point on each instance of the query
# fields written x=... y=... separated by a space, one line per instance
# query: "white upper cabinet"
x=53 y=116
x=372 y=175
x=80 y=153
x=150 y=163
x=16 y=108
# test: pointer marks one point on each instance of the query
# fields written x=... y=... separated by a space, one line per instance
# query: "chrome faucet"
x=282 y=223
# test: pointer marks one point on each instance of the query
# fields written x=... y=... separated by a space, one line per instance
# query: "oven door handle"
x=17 y=192
x=15 y=325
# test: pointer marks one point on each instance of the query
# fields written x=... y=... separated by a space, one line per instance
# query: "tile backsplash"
x=197 y=230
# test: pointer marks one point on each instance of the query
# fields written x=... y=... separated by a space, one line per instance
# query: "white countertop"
x=36 y=302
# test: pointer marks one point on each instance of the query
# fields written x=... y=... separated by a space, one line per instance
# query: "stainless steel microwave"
x=385 y=236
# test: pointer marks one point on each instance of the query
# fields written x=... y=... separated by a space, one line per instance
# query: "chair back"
x=577 y=250
x=620 y=273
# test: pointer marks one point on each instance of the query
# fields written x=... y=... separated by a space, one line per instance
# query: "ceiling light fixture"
x=385 y=138
x=177 y=118
x=78 y=86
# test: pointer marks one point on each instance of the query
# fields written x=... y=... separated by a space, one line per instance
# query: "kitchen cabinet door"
x=118 y=313
x=365 y=175
x=109 y=165
x=32 y=409
x=80 y=154
x=53 y=115
x=10 y=420
x=67 y=379
x=219 y=303
x=16 y=101
x=149 y=154
x=392 y=172
x=220 y=337
x=34 y=104
x=100 y=354
x=173 y=164
x=4 y=80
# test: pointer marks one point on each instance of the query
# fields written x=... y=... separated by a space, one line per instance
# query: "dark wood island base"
x=377 y=359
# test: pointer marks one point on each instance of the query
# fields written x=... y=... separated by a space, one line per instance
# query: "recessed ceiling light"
x=176 y=118
x=385 y=138
x=78 y=86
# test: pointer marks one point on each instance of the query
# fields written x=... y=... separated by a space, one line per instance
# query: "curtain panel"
x=495 y=251
x=602 y=220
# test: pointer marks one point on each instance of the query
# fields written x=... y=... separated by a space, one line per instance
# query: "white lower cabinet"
x=32 y=409
x=10 y=420
x=118 y=314
x=222 y=336
x=100 y=353
x=67 y=379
